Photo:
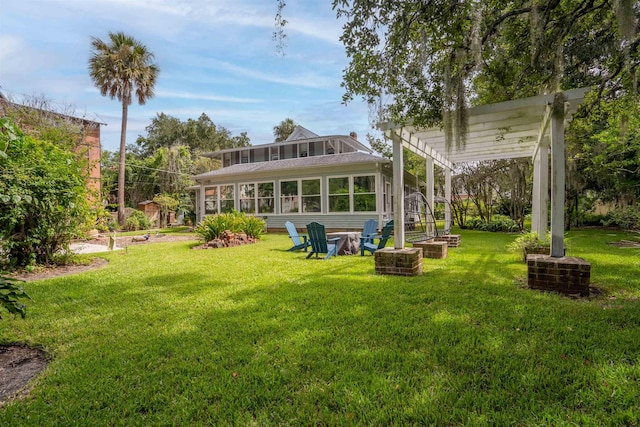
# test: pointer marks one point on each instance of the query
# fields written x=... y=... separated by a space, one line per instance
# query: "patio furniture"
x=382 y=240
x=319 y=242
x=300 y=241
x=369 y=230
x=349 y=243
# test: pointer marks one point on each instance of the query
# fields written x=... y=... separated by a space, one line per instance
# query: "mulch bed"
x=18 y=365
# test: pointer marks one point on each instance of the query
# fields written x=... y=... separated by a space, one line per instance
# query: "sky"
x=215 y=57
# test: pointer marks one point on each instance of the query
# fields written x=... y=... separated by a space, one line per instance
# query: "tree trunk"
x=123 y=140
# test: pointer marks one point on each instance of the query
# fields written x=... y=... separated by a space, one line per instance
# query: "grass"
x=255 y=335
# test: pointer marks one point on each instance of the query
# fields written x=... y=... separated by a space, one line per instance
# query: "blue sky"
x=216 y=57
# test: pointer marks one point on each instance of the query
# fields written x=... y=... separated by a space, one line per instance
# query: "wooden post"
x=557 y=176
x=398 y=192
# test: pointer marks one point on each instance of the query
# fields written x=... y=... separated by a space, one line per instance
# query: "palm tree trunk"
x=123 y=138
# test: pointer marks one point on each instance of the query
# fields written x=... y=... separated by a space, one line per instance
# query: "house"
x=333 y=179
x=88 y=145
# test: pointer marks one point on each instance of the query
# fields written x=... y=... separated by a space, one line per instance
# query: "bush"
x=212 y=227
x=627 y=218
x=253 y=226
x=43 y=198
x=104 y=220
x=10 y=295
x=530 y=243
x=498 y=223
x=137 y=220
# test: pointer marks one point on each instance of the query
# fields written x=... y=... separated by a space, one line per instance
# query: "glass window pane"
x=338 y=185
x=247 y=206
x=311 y=204
x=289 y=188
x=226 y=206
x=339 y=203
x=265 y=205
x=310 y=187
x=364 y=202
x=364 y=184
x=247 y=191
x=226 y=191
x=211 y=201
x=289 y=204
x=265 y=189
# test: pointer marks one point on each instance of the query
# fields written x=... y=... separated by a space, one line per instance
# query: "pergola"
x=527 y=127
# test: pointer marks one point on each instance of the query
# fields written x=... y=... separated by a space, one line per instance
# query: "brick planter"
x=436 y=250
x=399 y=262
x=453 y=240
x=567 y=275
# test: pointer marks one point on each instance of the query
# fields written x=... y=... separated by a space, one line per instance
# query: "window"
x=226 y=198
x=288 y=151
x=247 y=196
x=211 y=200
x=300 y=196
x=364 y=193
x=316 y=148
x=339 y=194
x=304 y=149
x=288 y=197
x=265 y=197
x=311 y=195
x=244 y=156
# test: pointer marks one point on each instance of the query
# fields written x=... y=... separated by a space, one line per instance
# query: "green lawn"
x=255 y=335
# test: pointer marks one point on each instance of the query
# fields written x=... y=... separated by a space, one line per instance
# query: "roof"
x=345 y=138
x=300 y=132
x=297 y=163
x=504 y=130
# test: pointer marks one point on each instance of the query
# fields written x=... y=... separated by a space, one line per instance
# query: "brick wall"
x=432 y=249
x=399 y=262
x=567 y=275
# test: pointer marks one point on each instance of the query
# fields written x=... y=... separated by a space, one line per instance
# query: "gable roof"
x=300 y=132
x=297 y=163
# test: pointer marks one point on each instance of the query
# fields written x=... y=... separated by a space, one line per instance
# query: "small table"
x=349 y=243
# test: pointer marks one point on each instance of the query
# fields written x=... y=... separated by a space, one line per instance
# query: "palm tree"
x=119 y=69
x=284 y=129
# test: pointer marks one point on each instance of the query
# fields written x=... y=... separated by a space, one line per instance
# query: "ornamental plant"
x=10 y=295
x=212 y=226
x=43 y=198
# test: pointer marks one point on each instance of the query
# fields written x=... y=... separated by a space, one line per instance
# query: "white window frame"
x=348 y=194
x=300 y=196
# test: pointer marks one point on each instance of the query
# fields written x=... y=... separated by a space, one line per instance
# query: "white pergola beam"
x=557 y=183
x=505 y=130
x=398 y=191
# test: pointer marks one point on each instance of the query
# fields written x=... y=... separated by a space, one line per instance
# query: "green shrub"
x=529 y=243
x=43 y=198
x=137 y=221
x=253 y=226
x=627 y=218
x=10 y=295
x=498 y=223
x=212 y=226
x=104 y=220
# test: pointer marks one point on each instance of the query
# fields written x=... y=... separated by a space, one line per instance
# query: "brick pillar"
x=453 y=240
x=567 y=275
x=436 y=250
x=399 y=262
